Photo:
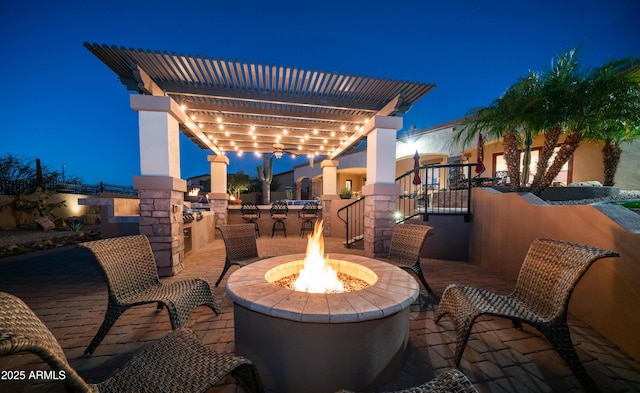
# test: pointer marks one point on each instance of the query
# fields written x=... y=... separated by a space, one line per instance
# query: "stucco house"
x=434 y=146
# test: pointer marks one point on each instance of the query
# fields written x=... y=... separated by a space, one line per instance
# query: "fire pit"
x=322 y=342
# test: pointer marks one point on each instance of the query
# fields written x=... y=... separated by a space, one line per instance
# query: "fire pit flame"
x=316 y=276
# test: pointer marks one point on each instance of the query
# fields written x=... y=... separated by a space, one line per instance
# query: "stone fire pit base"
x=322 y=358
x=321 y=343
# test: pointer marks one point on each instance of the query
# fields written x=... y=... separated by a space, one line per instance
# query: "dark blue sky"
x=63 y=105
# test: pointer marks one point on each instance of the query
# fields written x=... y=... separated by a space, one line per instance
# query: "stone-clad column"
x=381 y=192
x=160 y=189
x=161 y=201
x=329 y=192
x=218 y=198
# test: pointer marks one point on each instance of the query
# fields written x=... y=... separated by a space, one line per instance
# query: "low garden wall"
x=505 y=224
x=23 y=215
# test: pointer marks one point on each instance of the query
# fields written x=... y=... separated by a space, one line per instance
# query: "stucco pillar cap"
x=217 y=196
x=143 y=103
x=381 y=189
x=329 y=163
x=220 y=158
x=388 y=122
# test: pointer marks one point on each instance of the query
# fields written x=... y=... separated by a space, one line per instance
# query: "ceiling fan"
x=279 y=150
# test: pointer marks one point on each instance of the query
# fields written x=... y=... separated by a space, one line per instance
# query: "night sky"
x=63 y=105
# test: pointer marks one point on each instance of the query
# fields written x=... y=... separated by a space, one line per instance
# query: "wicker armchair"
x=451 y=381
x=550 y=272
x=404 y=251
x=132 y=279
x=175 y=363
x=240 y=245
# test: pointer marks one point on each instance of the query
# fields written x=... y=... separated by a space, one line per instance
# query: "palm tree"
x=509 y=117
x=494 y=121
x=614 y=133
x=605 y=95
x=557 y=99
x=560 y=101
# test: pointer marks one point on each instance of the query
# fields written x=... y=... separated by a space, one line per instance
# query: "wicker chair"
x=240 y=245
x=175 y=363
x=550 y=272
x=404 y=251
x=451 y=381
x=132 y=279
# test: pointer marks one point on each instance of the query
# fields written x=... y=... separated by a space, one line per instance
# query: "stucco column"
x=381 y=192
x=218 y=198
x=298 y=190
x=329 y=191
x=160 y=189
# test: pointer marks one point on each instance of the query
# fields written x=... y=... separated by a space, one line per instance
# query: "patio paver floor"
x=66 y=289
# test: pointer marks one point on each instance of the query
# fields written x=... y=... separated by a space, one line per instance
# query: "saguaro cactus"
x=265 y=174
x=39 y=178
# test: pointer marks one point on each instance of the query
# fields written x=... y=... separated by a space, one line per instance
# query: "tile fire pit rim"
x=248 y=288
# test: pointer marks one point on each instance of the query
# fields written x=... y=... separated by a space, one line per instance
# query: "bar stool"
x=250 y=214
x=279 y=211
x=309 y=215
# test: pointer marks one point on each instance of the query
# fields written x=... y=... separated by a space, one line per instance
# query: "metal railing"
x=427 y=190
x=14 y=187
x=435 y=189
x=354 y=221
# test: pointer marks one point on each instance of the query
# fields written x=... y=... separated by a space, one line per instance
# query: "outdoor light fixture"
x=278 y=149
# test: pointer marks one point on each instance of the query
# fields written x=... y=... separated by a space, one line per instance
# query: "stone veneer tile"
x=387 y=306
x=252 y=294
x=316 y=309
x=365 y=310
x=339 y=308
x=291 y=306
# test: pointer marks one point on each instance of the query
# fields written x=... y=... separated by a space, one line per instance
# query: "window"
x=563 y=177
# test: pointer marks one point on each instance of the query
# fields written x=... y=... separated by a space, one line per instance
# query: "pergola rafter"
x=239 y=106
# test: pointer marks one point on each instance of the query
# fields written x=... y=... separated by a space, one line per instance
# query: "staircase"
x=353 y=217
x=435 y=190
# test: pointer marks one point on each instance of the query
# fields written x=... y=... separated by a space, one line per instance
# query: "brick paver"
x=66 y=289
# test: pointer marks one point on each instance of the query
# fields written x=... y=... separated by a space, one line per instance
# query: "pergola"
x=247 y=107
x=231 y=106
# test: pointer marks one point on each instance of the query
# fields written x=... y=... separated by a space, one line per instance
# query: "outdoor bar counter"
x=265 y=222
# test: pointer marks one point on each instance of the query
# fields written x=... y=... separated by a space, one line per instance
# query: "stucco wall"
x=628 y=175
x=587 y=159
x=608 y=296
